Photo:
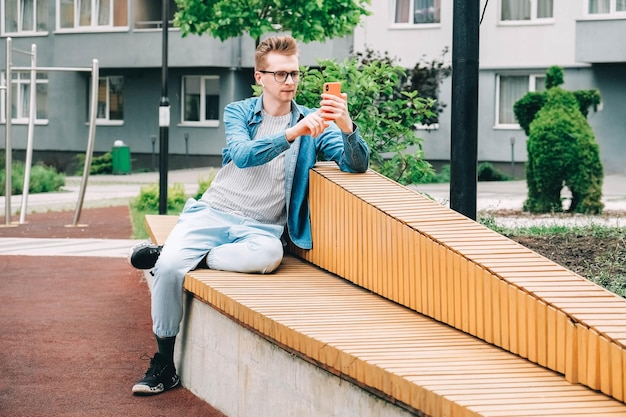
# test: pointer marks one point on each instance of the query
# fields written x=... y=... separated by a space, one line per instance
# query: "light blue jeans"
x=232 y=242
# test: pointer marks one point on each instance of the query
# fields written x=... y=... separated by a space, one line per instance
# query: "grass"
x=147 y=202
x=137 y=217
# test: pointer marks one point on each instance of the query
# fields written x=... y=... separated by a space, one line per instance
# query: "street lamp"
x=164 y=118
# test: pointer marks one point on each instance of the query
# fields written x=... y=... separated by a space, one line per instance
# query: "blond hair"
x=285 y=45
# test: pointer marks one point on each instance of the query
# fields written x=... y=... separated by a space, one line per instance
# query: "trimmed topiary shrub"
x=562 y=150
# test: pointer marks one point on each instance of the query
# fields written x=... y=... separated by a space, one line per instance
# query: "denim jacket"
x=350 y=152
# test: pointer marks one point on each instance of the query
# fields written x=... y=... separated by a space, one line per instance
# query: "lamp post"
x=164 y=119
x=464 y=128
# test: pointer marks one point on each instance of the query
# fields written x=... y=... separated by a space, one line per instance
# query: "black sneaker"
x=144 y=255
x=160 y=376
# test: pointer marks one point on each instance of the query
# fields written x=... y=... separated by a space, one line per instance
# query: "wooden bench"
x=422 y=308
x=405 y=247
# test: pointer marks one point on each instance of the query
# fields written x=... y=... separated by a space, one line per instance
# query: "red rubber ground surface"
x=73 y=329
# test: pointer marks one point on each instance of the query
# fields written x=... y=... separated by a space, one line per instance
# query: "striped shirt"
x=256 y=192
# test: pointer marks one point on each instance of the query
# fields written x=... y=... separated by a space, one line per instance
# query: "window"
x=149 y=14
x=598 y=7
x=511 y=88
x=20 y=97
x=525 y=10
x=110 y=99
x=201 y=95
x=25 y=16
x=92 y=14
x=418 y=12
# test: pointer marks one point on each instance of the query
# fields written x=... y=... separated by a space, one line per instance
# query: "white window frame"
x=532 y=86
x=613 y=13
x=93 y=26
x=202 y=122
x=22 y=83
x=411 y=23
x=534 y=20
x=107 y=120
x=20 y=20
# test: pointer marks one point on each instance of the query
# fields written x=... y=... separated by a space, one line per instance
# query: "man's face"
x=275 y=62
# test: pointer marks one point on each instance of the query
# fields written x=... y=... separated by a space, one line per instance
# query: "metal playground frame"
x=6 y=88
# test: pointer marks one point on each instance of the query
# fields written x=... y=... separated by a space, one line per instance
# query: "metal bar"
x=32 y=114
x=69 y=69
x=95 y=76
x=8 y=145
x=22 y=51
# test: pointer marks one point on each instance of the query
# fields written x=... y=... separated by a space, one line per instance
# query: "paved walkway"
x=101 y=248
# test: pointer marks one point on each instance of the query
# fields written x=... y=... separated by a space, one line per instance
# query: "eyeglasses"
x=281 y=76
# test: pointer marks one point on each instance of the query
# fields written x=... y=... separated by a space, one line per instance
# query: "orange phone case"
x=333 y=88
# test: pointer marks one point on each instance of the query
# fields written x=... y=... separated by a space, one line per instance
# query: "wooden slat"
x=520 y=274
x=421 y=362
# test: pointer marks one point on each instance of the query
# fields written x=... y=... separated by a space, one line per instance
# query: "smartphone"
x=333 y=88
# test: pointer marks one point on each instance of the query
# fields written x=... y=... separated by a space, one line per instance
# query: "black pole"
x=164 y=119
x=464 y=129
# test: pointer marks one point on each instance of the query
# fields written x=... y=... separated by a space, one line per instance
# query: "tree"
x=380 y=100
x=307 y=21
x=426 y=78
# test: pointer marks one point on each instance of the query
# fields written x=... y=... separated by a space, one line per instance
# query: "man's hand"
x=336 y=109
x=312 y=124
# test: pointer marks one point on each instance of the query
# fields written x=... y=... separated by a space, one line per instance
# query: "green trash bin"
x=121 y=158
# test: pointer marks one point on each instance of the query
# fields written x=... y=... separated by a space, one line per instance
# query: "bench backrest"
x=405 y=247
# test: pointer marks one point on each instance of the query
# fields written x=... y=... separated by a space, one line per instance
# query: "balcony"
x=601 y=41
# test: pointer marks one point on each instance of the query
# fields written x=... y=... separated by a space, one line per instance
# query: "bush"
x=562 y=151
x=100 y=165
x=45 y=179
x=386 y=117
x=487 y=172
x=526 y=108
x=148 y=199
x=147 y=202
x=434 y=177
x=42 y=178
x=203 y=184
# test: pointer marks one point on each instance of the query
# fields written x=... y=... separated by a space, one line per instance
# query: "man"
x=239 y=223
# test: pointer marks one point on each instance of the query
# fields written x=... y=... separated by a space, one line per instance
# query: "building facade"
x=126 y=37
x=519 y=40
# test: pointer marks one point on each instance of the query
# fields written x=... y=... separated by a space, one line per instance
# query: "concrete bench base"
x=251 y=376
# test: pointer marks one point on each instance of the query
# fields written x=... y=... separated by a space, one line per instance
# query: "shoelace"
x=155 y=368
